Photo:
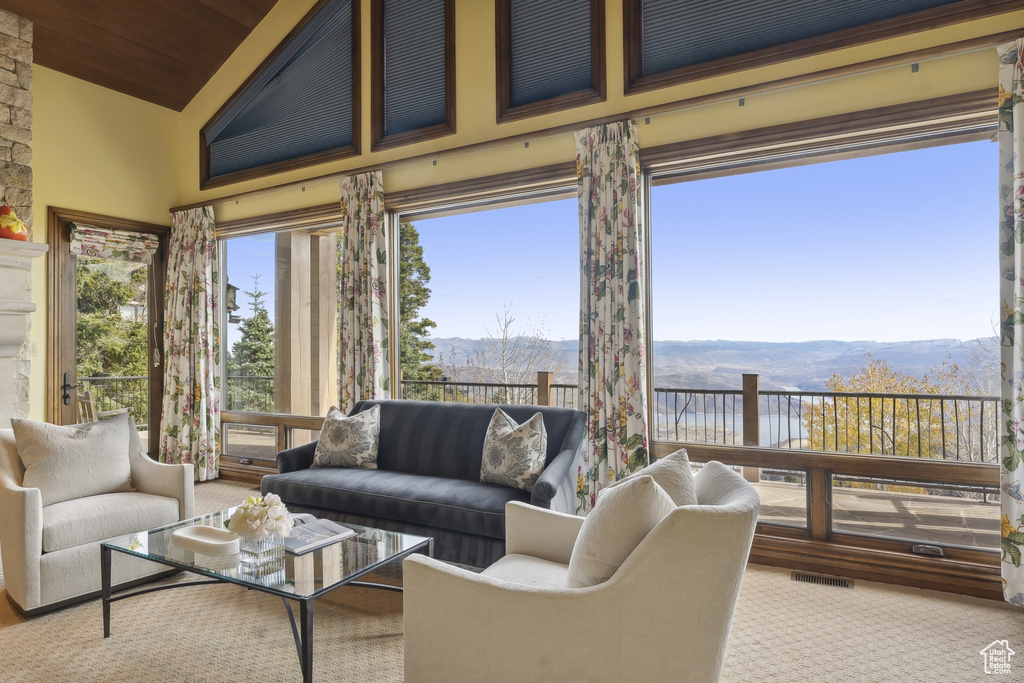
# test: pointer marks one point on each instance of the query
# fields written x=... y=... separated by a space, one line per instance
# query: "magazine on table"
x=310 y=533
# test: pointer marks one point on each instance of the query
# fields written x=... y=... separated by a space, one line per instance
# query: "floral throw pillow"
x=514 y=454
x=349 y=441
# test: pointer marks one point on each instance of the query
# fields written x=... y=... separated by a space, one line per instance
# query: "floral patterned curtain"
x=364 y=358
x=137 y=247
x=1011 y=265
x=612 y=371
x=190 y=425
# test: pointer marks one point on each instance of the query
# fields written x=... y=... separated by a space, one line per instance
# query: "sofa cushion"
x=672 y=473
x=95 y=518
x=622 y=517
x=529 y=571
x=514 y=453
x=74 y=461
x=470 y=507
x=349 y=441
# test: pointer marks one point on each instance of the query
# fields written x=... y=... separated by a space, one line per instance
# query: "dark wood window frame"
x=636 y=81
x=503 y=41
x=206 y=182
x=379 y=140
x=62 y=306
x=817 y=547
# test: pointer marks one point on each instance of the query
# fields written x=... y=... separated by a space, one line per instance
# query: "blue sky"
x=891 y=247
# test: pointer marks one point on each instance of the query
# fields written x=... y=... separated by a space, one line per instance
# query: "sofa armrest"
x=556 y=486
x=541 y=533
x=298 y=458
x=21 y=537
x=165 y=479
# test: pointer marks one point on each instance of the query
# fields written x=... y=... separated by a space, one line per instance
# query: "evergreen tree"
x=253 y=354
x=107 y=343
x=413 y=277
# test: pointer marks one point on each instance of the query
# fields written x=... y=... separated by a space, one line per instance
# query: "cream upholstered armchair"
x=664 y=615
x=50 y=552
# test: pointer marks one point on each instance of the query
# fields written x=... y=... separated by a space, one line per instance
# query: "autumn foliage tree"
x=881 y=411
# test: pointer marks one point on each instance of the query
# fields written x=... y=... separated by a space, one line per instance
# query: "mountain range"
x=720 y=364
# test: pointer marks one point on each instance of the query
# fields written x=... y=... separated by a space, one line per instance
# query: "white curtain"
x=612 y=369
x=1011 y=265
x=364 y=358
x=190 y=423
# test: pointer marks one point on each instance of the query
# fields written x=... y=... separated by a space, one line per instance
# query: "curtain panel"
x=612 y=370
x=136 y=247
x=190 y=423
x=1011 y=266
x=364 y=359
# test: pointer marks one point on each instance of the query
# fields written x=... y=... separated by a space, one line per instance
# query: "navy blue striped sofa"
x=427 y=480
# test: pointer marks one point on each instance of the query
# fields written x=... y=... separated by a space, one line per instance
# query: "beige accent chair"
x=51 y=554
x=663 y=616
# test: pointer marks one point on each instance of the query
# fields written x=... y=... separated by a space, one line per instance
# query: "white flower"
x=260 y=517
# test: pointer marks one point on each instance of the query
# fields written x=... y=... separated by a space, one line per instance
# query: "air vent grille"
x=823 y=579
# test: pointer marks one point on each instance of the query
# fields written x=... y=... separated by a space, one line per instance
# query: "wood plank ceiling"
x=161 y=51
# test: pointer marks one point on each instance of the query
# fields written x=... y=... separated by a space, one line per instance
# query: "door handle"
x=67 y=387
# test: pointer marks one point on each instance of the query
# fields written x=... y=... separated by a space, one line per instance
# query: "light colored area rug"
x=783 y=631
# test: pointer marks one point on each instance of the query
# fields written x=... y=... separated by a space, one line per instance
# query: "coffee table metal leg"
x=105 y=554
x=306 y=633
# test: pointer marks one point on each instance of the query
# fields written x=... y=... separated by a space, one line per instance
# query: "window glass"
x=836 y=283
x=488 y=300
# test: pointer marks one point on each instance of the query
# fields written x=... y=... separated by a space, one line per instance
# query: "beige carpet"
x=783 y=631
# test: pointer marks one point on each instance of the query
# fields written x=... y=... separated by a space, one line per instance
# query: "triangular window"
x=299 y=108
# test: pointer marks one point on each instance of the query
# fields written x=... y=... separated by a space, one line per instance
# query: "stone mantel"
x=16 y=308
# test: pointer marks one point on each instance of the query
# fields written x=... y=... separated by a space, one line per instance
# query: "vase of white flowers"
x=262 y=525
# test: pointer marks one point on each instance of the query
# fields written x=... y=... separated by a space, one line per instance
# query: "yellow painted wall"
x=475 y=103
x=98 y=151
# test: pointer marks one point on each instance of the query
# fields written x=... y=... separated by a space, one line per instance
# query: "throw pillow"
x=514 y=454
x=623 y=517
x=672 y=473
x=74 y=461
x=349 y=441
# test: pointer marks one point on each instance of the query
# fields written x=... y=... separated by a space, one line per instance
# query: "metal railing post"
x=544 y=381
x=751 y=421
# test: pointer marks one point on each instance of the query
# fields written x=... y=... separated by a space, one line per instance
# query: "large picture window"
x=489 y=299
x=863 y=304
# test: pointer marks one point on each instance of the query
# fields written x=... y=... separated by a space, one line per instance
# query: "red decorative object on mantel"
x=11 y=227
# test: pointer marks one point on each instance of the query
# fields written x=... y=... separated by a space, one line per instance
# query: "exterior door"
x=106 y=322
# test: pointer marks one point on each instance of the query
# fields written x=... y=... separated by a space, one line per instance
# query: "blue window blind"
x=678 y=34
x=550 y=49
x=300 y=104
x=414 y=65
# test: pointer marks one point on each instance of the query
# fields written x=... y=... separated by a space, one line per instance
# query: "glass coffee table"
x=299 y=578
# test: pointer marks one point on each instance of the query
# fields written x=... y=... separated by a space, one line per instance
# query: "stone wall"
x=16 y=114
x=16 y=258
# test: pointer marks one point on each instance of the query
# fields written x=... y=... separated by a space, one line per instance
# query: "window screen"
x=300 y=104
x=414 y=65
x=550 y=49
x=678 y=34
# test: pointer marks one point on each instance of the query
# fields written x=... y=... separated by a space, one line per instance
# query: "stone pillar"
x=16 y=304
x=16 y=114
x=16 y=308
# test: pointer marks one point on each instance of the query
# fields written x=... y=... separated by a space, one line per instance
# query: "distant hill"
x=803 y=366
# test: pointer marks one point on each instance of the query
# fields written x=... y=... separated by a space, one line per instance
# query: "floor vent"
x=823 y=579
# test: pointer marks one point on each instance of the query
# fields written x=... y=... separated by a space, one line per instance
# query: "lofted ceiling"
x=161 y=51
